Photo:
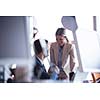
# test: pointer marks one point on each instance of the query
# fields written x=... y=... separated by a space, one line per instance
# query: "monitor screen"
x=14 y=40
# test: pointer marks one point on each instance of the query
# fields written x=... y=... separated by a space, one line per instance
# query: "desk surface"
x=51 y=81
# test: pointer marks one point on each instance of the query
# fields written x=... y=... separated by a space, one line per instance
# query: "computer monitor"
x=14 y=40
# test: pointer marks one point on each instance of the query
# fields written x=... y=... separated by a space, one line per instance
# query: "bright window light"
x=85 y=22
x=47 y=26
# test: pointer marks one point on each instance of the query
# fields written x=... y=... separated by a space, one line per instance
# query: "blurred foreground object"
x=22 y=74
x=2 y=76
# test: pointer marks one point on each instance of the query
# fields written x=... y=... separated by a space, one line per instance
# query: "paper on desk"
x=80 y=77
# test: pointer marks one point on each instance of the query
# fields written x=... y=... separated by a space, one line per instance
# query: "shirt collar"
x=40 y=60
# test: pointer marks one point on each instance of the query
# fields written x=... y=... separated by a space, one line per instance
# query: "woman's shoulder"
x=53 y=44
x=68 y=44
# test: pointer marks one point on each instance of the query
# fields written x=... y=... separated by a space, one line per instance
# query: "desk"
x=51 y=81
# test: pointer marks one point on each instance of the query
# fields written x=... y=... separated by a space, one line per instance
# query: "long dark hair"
x=61 y=31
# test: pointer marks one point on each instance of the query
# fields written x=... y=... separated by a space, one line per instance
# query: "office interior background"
x=47 y=26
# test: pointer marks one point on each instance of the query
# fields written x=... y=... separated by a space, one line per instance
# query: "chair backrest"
x=95 y=77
